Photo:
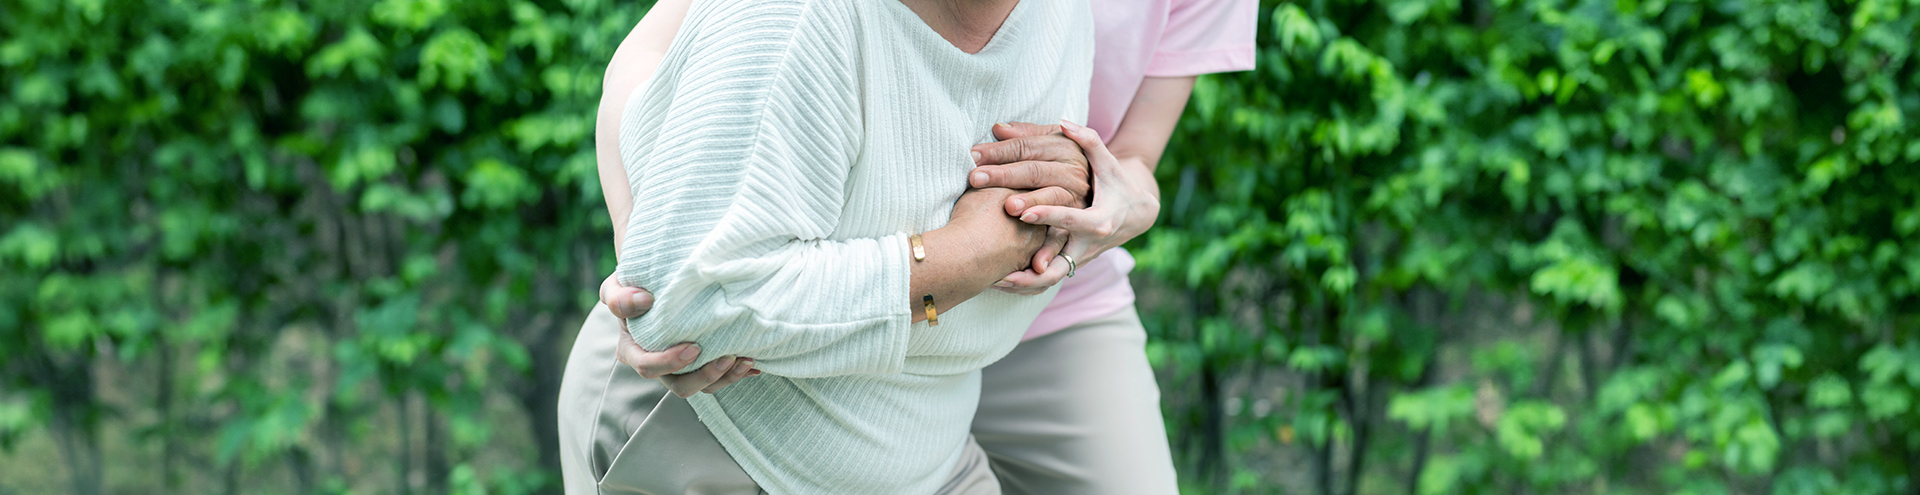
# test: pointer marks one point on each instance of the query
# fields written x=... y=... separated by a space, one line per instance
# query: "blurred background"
x=1430 y=246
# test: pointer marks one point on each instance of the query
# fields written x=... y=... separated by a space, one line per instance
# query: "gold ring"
x=1071 y=265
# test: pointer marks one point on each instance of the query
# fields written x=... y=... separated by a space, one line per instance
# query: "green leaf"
x=357 y=50
x=1295 y=29
x=452 y=58
x=1431 y=409
x=495 y=184
x=31 y=245
x=1316 y=358
x=1829 y=390
x=409 y=14
x=1521 y=430
x=1886 y=401
x=1771 y=359
x=1755 y=447
x=1644 y=422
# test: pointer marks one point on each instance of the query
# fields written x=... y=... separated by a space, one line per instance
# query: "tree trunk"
x=404 y=477
x=540 y=398
x=1420 y=445
x=1360 y=409
x=163 y=399
x=81 y=451
x=436 y=451
x=74 y=409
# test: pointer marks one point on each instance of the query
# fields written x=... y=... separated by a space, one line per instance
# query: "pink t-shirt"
x=1133 y=40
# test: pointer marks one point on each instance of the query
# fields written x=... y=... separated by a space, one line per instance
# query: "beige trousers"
x=1074 y=412
x=1077 y=412
x=623 y=433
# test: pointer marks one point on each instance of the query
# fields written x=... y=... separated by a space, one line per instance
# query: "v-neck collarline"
x=998 y=38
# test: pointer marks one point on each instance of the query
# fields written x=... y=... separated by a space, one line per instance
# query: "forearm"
x=1143 y=163
x=1136 y=147
x=1150 y=120
x=806 y=309
x=822 y=307
x=960 y=264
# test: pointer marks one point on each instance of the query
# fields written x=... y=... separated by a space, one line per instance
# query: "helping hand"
x=1125 y=200
x=632 y=302
x=1125 y=204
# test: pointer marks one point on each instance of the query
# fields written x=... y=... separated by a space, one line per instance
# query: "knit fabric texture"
x=779 y=157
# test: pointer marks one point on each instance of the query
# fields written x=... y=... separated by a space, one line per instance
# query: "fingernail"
x=1019 y=204
x=742 y=366
x=753 y=373
x=1030 y=217
x=1069 y=126
x=976 y=156
x=636 y=302
x=979 y=178
x=1004 y=124
x=690 y=352
x=1003 y=284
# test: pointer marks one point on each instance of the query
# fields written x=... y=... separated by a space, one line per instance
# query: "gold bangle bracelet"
x=933 y=320
x=919 y=250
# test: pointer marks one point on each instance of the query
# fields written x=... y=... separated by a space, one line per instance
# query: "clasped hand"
x=1058 y=177
x=1071 y=161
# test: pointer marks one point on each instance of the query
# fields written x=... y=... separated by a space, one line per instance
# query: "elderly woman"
x=802 y=165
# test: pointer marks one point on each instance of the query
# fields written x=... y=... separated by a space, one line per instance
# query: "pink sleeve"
x=1206 y=36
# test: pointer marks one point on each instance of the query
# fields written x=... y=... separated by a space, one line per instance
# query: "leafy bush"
x=279 y=240
x=1549 y=246
x=1430 y=246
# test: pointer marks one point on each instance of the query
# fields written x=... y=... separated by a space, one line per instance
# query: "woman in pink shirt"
x=1075 y=408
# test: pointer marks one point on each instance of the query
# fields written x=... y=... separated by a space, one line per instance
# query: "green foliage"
x=1550 y=246
x=1431 y=246
x=295 y=235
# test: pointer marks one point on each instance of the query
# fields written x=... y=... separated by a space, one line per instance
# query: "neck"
x=967 y=24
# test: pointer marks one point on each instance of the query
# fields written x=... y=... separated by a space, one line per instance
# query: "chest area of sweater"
x=918 y=131
x=914 y=161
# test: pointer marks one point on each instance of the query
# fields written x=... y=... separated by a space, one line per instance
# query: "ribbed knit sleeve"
x=738 y=154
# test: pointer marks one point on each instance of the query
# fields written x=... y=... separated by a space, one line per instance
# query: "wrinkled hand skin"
x=633 y=302
x=980 y=211
x=1039 y=159
x=1127 y=205
x=1052 y=168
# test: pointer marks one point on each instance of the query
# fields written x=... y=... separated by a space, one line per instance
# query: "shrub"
x=280 y=239
x=1499 y=246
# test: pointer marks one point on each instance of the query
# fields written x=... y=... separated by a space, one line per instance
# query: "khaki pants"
x=622 y=433
x=1073 y=412
x=1077 y=412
